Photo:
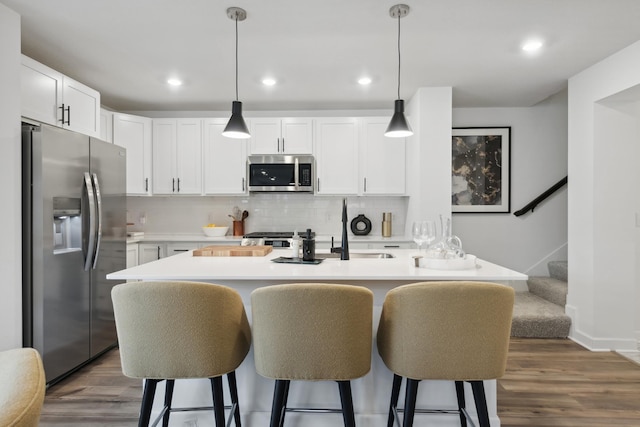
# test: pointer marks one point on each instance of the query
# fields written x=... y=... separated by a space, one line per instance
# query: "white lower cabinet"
x=132 y=255
x=179 y=248
x=148 y=252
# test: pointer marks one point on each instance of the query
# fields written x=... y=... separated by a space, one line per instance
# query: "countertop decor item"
x=398 y=126
x=213 y=231
x=360 y=225
x=236 y=127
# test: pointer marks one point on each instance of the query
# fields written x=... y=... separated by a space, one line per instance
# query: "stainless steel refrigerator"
x=74 y=234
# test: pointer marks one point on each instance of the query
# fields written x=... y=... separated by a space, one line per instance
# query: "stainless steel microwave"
x=281 y=173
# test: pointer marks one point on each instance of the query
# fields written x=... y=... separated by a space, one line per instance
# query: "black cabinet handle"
x=146 y=184
x=178 y=185
x=173 y=185
x=68 y=110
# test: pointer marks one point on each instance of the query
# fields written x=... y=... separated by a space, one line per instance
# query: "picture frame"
x=481 y=169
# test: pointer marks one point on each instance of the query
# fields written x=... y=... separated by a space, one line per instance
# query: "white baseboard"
x=592 y=343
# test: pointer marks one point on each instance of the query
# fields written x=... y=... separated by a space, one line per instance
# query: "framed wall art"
x=480 y=169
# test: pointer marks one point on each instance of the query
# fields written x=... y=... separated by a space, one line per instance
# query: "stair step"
x=534 y=317
x=559 y=270
x=549 y=288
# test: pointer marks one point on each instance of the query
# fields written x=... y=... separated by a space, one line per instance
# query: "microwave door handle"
x=296 y=174
x=90 y=233
x=99 y=217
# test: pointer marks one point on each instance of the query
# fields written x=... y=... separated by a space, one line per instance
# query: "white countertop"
x=401 y=268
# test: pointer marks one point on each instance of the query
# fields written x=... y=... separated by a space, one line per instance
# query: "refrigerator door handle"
x=98 y=210
x=90 y=234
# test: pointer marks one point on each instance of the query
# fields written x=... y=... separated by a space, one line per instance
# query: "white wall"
x=538 y=160
x=604 y=202
x=10 y=214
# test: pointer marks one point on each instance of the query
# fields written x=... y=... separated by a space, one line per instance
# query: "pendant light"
x=398 y=126
x=236 y=127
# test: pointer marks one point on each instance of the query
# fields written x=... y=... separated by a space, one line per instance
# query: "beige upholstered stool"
x=172 y=330
x=312 y=332
x=22 y=385
x=455 y=331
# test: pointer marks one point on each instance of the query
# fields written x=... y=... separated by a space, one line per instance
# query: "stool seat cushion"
x=446 y=330
x=172 y=330
x=312 y=331
x=22 y=387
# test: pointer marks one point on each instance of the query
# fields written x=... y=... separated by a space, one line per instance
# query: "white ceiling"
x=316 y=50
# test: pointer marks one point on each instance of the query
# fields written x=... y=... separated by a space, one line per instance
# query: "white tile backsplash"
x=267 y=212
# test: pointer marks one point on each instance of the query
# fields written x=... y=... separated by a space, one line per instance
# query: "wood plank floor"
x=548 y=383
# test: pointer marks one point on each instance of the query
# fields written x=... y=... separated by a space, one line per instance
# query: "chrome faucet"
x=344 y=246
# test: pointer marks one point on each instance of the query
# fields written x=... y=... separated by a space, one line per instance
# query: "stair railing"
x=532 y=204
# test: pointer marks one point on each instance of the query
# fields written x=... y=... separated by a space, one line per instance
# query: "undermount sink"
x=379 y=255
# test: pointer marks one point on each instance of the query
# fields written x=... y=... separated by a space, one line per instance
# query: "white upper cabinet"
x=336 y=153
x=134 y=134
x=106 y=125
x=383 y=160
x=177 y=156
x=53 y=98
x=225 y=160
x=281 y=136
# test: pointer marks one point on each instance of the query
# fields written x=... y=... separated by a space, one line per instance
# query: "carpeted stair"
x=539 y=313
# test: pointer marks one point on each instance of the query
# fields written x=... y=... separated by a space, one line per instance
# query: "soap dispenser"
x=308 y=247
x=295 y=245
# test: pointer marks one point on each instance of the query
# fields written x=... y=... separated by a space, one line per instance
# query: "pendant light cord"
x=237 y=56
x=399 y=15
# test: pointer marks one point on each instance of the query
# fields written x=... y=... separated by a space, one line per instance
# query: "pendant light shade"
x=398 y=127
x=236 y=127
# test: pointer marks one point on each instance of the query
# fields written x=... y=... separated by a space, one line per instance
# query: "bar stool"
x=456 y=331
x=174 y=330
x=312 y=332
x=22 y=386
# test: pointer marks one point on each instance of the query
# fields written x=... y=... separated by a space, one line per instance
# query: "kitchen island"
x=371 y=393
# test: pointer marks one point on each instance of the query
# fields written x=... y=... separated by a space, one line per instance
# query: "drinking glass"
x=416 y=232
x=428 y=231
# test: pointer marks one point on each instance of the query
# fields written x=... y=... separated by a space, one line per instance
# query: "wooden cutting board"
x=233 y=251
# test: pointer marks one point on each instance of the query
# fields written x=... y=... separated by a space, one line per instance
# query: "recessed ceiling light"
x=174 y=82
x=532 y=45
x=364 y=81
x=268 y=81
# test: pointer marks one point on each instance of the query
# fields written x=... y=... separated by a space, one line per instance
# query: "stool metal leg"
x=218 y=401
x=347 y=403
x=481 y=403
x=410 y=402
x=461 y=402
x=147 y=401
x=395 y=393
x=283 y=412
x=168 y=396
x=233 y=390
x=277 y=407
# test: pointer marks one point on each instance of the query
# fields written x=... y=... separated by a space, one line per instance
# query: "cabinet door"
x=134 y=134
x=41 y=91
x=82 y=108
x=383 y=159
x=336 y=149
x=180 y=248
x=132 y=255
x=106 y=125
x=265 y=136
x=148 y=252
x=297 y=136
x=225 y=160
x=164 y=152
x=188 y=156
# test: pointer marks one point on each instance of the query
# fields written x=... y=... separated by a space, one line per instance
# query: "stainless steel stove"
x=277 y=239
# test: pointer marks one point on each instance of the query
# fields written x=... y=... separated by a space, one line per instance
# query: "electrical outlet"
x=142 y=218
